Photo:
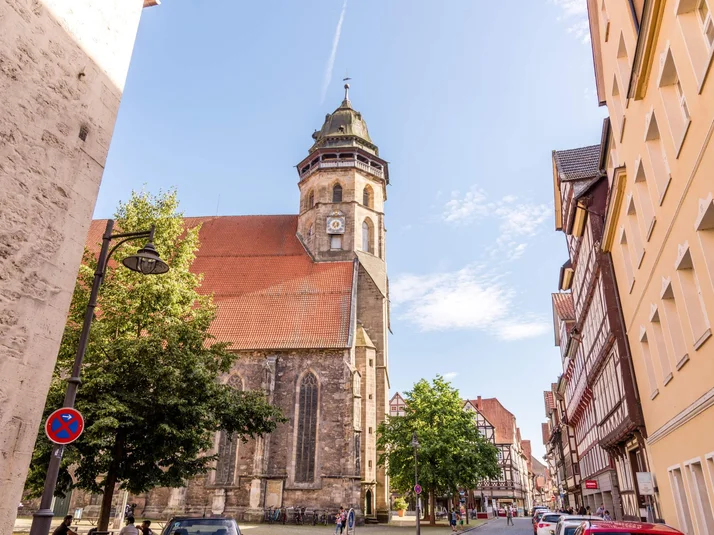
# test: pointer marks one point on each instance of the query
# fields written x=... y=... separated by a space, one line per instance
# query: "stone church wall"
x=62 y=69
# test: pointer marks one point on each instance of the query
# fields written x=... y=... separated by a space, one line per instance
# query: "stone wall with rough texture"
x=62 y=69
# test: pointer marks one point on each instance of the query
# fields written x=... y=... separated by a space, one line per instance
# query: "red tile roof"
x=502 y=420
x=549 y=401
x=526 y=447
x=563 y=306
x=268 y=292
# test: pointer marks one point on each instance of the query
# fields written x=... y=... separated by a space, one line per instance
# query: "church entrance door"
x=368 y=504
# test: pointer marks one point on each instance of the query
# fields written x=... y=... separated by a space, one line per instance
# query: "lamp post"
x=147 y=262
x=415 y=444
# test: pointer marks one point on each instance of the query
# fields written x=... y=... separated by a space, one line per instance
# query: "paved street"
x=522 y=526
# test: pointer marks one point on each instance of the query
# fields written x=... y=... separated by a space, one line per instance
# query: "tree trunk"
x=432 y=518
x=109 y=483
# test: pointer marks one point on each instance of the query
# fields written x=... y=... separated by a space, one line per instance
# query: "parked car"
x=625 y=528
x=537 y=515
x=547 y=523
x=185 y=525
x=568 y=524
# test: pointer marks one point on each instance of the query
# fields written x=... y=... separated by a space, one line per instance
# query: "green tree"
x=151 y=393
x=452 y=454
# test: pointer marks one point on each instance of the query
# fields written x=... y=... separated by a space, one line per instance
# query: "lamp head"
x=146 y=261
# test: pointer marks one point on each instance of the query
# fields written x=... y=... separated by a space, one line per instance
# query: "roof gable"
x=503 y=421
x=268 y=292
x=577 y=164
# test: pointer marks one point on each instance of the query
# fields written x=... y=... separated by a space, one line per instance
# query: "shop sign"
x=645 y=483
x=591 y=484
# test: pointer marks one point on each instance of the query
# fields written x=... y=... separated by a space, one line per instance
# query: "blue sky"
x=465 y=98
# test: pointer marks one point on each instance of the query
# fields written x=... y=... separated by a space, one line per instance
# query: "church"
x=303 y=301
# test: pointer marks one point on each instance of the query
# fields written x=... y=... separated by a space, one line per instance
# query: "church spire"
x=346 y=102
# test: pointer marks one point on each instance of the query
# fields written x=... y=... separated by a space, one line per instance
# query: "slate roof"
x=563 y=306
x=577 y=164
x=268 y=292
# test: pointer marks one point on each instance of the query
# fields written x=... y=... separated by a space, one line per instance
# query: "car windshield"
x=203 y=526
x=570 y=531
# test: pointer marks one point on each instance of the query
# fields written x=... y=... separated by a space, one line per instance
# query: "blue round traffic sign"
x=64 y=426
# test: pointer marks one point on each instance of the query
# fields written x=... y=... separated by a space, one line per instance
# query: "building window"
x=658 y=339
x=657 y=156
x=306 y=430
x=647 y=358
x=358 y=453
x=335 y=241
x=367 y=236
x=700 y=496
x=634 y=230
x=337 y=193
x=618 y=118
x=228 y=447
x=674 y=327
x=697 y=27
x=680 y=500
x=623 y=62
x=309 y=232
x=692 y=294
x=643 y=194
x=368 y=197
x=310 y=199
x=705 y=232
x=626 y=259
x=675 y=104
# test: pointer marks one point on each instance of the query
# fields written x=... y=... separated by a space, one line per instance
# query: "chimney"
x=478 y=403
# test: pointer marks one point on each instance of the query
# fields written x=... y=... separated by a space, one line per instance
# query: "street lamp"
x=415 y=444
x=145 y=261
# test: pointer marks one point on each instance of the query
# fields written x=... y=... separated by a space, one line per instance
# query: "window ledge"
x=669 y=378
x=665 y=188
x=632 y=285
x=703 y=338
x=703 y=78
x=682 y=361
x=641 y=258
x=650 y=228
x=678 y=145
x=654 y=394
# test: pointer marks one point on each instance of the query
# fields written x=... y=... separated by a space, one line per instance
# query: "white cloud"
x=575 y=15
x=467 y=299
x=450 y=375
x=333 y=53
x=517 y=220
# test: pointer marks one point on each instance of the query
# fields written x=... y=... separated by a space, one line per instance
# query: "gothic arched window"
x=367 y=197
x=228 y=447
x=337 y=193
x=367 y=238
x=306 y=430
x=311 y=200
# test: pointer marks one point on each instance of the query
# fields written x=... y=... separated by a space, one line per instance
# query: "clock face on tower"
x=335 y=225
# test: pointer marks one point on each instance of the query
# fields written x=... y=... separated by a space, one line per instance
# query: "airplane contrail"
x=333 y=53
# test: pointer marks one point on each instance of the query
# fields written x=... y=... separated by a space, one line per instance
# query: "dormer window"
x=337 y=193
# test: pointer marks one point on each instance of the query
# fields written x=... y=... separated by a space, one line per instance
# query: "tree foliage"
x=151 y=393
x=452 y=454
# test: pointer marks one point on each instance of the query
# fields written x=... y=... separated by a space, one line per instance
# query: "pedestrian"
x=582 y=510
x=130 y=528
x=600 y=510
x=606 y=516
x=64 y=527
x=509 y=515
x=145 y=529
x=587 y=511
x=344 y=519
x=452 y=520
x=338 y=521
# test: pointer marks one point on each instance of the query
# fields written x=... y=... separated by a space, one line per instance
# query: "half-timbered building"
x=597 y=386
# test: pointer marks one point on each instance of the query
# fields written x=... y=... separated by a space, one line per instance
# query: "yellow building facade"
x=653 y=71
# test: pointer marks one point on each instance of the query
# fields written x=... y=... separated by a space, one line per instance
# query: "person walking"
x=344 y=519
x=600 y=510
x=582 y=510
x=145 y=529
x=606 y=516
x=339 y=526
x=452 y=520
x=509 y=515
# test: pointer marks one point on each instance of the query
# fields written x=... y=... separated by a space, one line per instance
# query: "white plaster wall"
x=62 y=65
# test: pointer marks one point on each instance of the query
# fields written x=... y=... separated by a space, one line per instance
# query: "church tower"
x=343 y=187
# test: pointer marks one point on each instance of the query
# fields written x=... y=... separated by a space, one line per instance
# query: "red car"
x=624 y=528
